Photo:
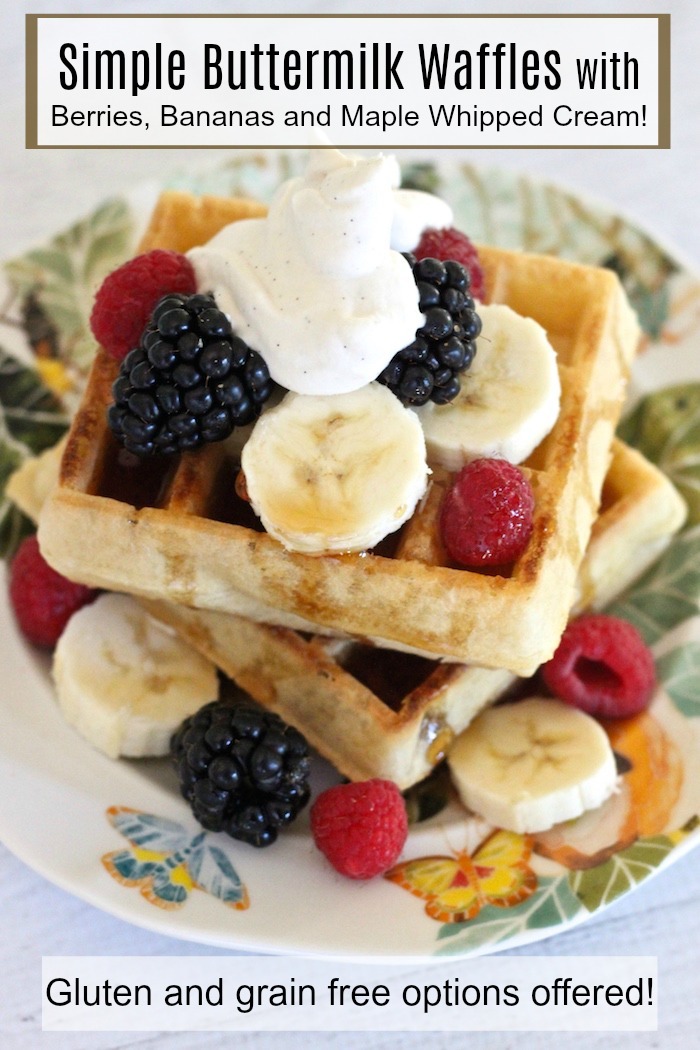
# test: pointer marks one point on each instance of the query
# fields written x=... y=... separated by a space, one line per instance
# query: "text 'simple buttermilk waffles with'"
x=368 y=472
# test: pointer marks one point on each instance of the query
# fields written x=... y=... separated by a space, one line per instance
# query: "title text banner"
x=406 y=81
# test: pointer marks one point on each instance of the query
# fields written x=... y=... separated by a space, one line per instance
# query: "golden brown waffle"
x=373 y=712
x=181 y=533
x=181 y=221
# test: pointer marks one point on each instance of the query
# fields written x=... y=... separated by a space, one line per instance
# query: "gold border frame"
x=664 y=77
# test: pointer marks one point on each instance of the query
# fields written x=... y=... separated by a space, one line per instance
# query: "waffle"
x=373 y=712
x=376 y=713
x=181 y=221
x=183 y=535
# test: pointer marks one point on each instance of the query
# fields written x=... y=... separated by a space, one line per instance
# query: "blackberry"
x=191 y=380
x=243 y=770
x=428 y=369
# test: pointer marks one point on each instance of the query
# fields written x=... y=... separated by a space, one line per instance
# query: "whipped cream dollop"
x=414 y=211
x=316 y=287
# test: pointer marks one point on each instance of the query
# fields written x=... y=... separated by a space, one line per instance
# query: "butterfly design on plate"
x=457 y=888
x=166 y=861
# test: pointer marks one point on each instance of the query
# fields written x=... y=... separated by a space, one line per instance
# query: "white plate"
x=65 y=809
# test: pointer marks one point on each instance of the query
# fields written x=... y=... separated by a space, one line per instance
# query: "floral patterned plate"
x=118 y=835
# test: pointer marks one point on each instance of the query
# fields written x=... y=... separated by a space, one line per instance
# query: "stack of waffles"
x=380 y=658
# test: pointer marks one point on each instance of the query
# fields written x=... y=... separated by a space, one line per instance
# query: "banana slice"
x=509 y=399
x=532 y=764
x=125 y=681
x=335 y=473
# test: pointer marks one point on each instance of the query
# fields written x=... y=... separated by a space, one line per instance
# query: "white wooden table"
x=42 y=191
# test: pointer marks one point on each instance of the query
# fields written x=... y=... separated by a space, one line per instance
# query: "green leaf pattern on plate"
x=552 y=904
x=668 y=594
x=679 y=670
x=62 y=277
x=31 y=419
x=665 y=426
x=13 y=524
x=600 y=886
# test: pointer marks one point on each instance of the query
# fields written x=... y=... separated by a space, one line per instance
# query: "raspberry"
x=360 y=828
x=453 y=244
x=127 y=296
x=42 y=599
x=603 y=667
x=486 y=517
